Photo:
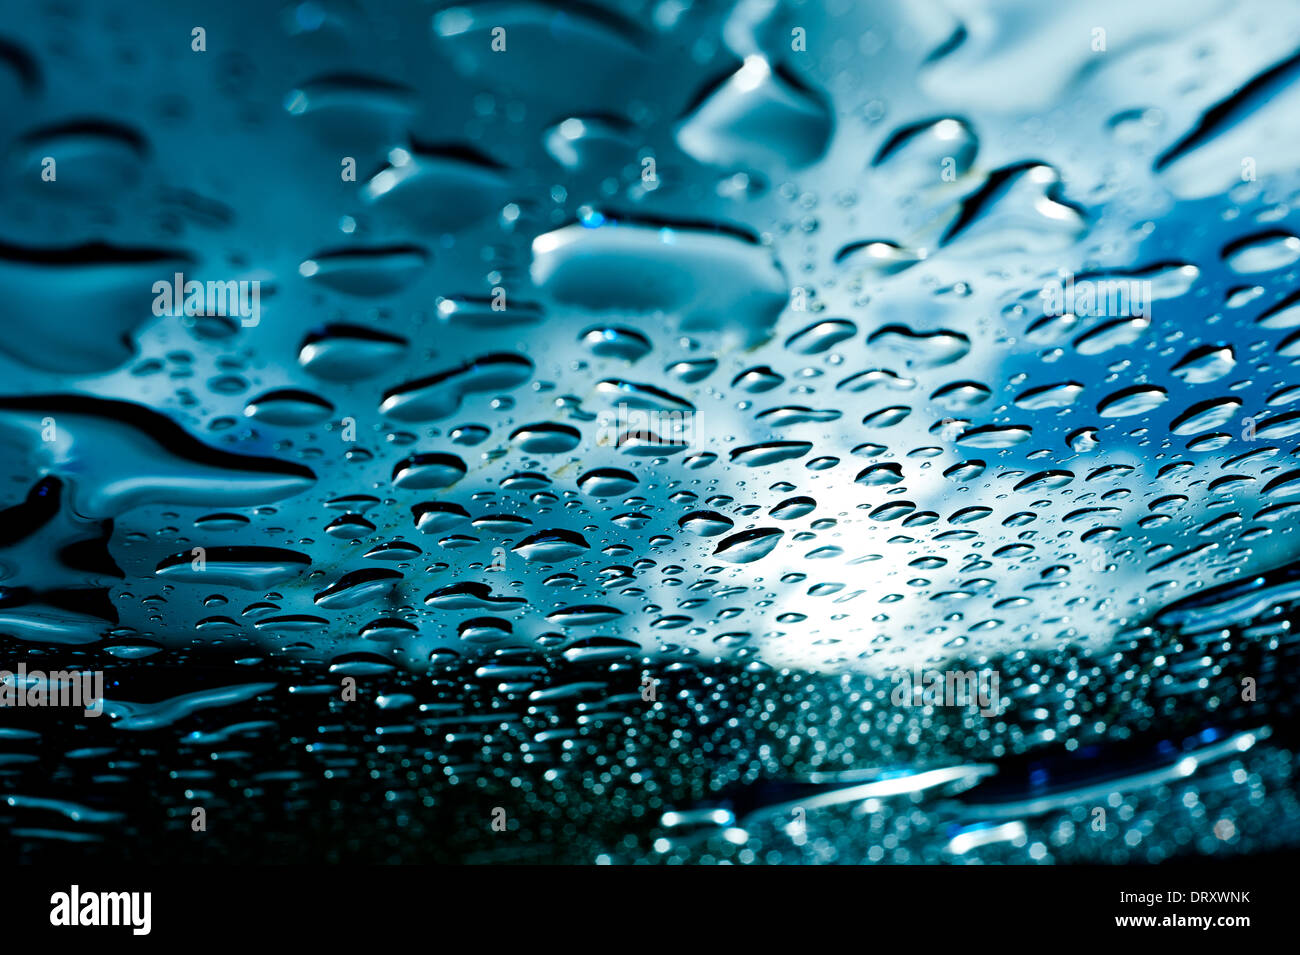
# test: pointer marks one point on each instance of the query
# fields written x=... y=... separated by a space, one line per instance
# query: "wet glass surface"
x=755 y=432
